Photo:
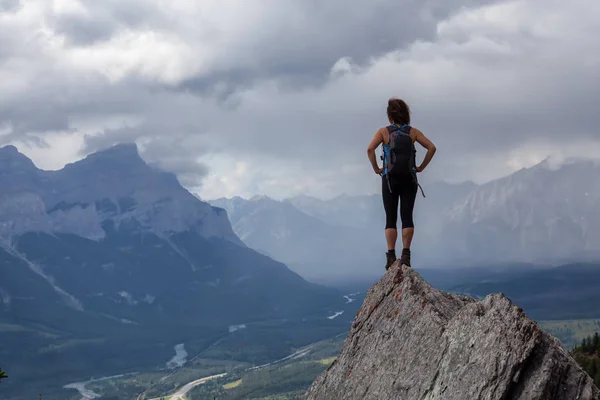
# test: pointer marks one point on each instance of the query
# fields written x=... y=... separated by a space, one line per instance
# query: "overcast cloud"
x=282 y=96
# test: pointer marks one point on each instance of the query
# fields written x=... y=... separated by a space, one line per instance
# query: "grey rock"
x=411 y=341
x=115 y=184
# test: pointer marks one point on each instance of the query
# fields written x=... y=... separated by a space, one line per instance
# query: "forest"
x=587 y=355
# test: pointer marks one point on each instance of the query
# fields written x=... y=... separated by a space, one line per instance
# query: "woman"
x=398 y=190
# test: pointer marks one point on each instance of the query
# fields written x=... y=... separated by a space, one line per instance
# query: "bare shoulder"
x=384 y=134
x=420 y=138
x=414 y=132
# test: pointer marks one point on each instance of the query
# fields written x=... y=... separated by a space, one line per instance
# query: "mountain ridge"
x=114 y=183
x=544 y=214
x=110 y=255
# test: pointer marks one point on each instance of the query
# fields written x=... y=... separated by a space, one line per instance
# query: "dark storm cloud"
x=9 y=5
x=257 y=85
x=302 y=40
x=180 y=159
x=82 y=30
x=174 y=146
x=53 y=98
x=103 y=19
x=300 y=47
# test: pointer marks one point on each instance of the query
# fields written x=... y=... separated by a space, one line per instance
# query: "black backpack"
x=401 y=161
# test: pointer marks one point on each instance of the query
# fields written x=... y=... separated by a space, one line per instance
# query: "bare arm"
x=375 y=142
x=431 y=149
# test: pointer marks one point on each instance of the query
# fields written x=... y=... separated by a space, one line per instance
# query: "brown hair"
x=398 y=111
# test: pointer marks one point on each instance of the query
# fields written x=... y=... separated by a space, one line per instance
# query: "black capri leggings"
x=404 y=192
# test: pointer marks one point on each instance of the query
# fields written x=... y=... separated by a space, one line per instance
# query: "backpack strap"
x=418 y=184
x=404 y=128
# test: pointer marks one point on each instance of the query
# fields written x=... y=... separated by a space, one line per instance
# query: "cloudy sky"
x=244 y=97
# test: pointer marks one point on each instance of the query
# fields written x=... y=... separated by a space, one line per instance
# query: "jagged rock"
x=411 y=341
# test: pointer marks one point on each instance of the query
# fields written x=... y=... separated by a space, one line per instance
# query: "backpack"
x=401 y=159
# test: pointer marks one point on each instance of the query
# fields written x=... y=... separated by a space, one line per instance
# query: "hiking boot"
x=405 y=257
x=391 y=259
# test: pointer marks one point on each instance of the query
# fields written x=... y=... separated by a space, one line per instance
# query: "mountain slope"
x=544 y=213
x=343 y=210
x=314 y=248
x=109 y=256
x=267 y=225
x=334 y=240
x=567 y=292
x=115 y=184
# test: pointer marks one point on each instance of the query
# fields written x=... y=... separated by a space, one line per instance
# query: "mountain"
x=567 y=292
x=411 y=341
x=361 y=211
x=110 y=256
x=265 y=224
x=544 y=213
x=312 y=247
x=343 y=210
x=115 y=185
x=337 y=240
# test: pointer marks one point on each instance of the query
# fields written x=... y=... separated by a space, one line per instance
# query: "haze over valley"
x=544 y=215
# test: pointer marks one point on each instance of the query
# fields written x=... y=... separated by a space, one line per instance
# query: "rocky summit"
x=411 y=341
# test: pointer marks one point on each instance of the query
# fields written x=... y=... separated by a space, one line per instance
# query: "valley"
x=136 y=288
x=204 y=377
x=287 y=378
x=105 y=279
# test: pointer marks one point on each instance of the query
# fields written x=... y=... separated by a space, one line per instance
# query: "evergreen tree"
x=2 y=375
x=587 y=345
x=594 y=368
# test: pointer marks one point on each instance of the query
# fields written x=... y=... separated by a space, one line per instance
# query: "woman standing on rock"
x=399 y=182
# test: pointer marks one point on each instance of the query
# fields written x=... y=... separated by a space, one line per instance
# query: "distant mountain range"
x=544 y=214
x=567 y=292
x=111 y=247
x=313 y=247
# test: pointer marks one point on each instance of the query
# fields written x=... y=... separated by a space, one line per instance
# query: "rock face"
x=546 y=212
x=411 y=341
x=113 y=185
